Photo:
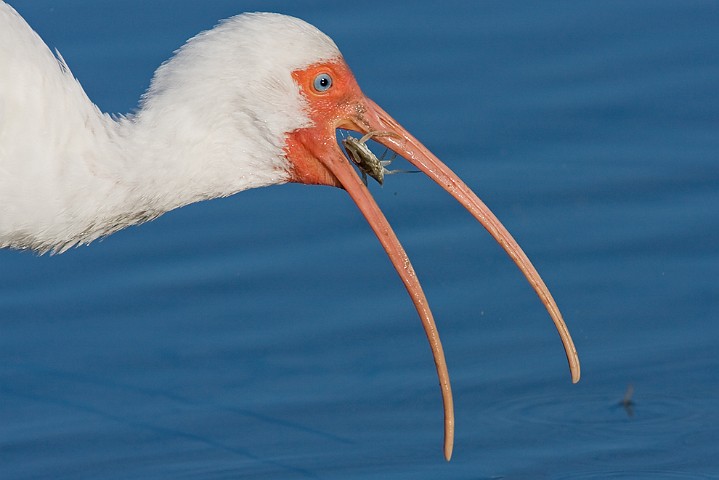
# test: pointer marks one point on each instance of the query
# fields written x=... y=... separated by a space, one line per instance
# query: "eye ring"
x=322 y=82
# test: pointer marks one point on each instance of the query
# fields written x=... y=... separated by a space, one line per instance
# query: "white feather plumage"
x=212 y=123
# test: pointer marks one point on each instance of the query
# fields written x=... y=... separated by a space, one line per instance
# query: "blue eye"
x=322 y=82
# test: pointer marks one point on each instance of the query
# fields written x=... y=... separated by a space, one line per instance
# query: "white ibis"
x=255 y=101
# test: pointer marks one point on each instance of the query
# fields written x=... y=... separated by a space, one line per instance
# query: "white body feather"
x=213 y=123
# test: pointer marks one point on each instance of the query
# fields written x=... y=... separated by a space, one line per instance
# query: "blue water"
x=267 y=335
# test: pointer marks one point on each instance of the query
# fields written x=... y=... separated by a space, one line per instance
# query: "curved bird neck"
x=78 y=174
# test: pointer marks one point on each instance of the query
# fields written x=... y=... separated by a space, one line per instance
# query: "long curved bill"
x=368 y=117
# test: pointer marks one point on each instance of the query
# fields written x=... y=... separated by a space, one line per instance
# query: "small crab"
x=368 y=163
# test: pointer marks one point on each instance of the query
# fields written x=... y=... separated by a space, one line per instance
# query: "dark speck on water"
x=229 y=339
x=627 y=403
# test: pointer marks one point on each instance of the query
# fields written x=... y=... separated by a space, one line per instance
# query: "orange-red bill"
x=405 y=145
x=318 y=159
